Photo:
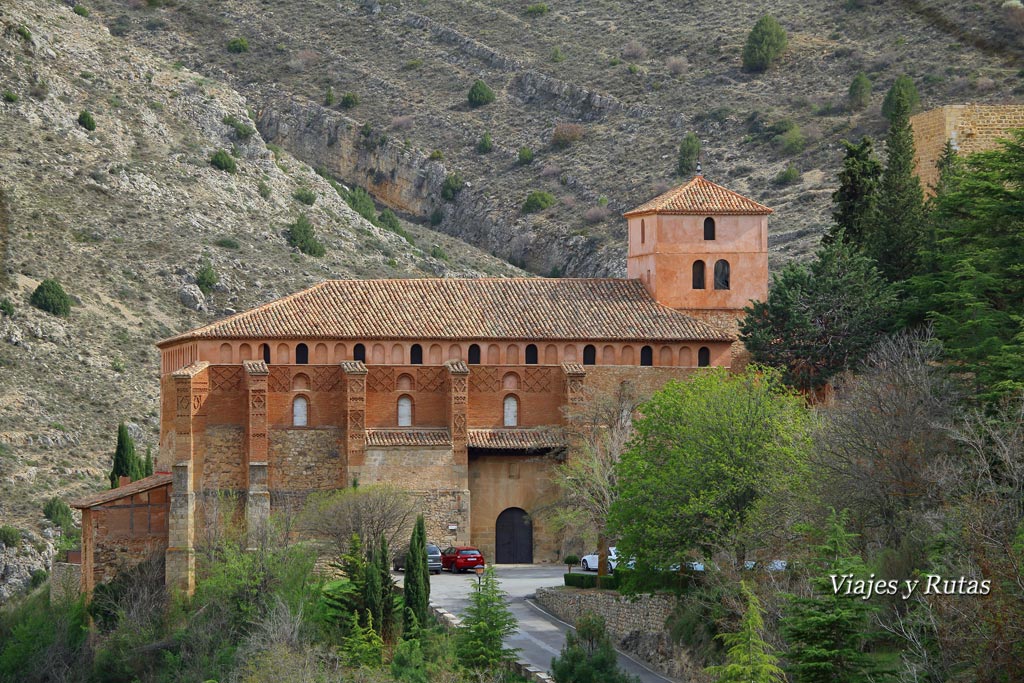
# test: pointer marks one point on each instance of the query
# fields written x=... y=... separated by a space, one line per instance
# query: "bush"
x=634 y=50
x=329 y=97
x=243 y=131
x=81 y=10
x=557 y=55
x=38 y=578
x=676 y=65
x=10 y=536
x=436 y=155
x=362 y=203
x=206 y=277
x=480 y=94
x=25 y=34
x=238 y=45
x=263 y=189
x=438 y=253
x=58 y=512
x=609 y=582
x=86 y=120
x=349 y=100
x=859 y=95
x=689 y=154
x=565 y=134
x=10 y=96
x=452 y=186
x=596 y=214
x=905 y=85
x=304 y=195
x=388 y=219
x=6 y=307
x=223 y=161
x=538 y=200
x=302 y=236
x=227 y=243
x=765 y=43
x=49 y=296
x=787 y=176
x=485 y=145
x=525 y=155
x=537 y=9
x=792 y=141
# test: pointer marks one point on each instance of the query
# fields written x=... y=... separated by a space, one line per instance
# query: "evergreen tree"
x=485 y=624
x=387 y=592
x=417 y=578
x=588 y=656
x=689 y=154
x=408 y=665
x=748 y=658
x=854 y=201
x=896 y=231
x=825 y=634
x=765 y=43
x=902 y=88
x=373 y=591
x=859 y=95
x=126 y=462
x=148 y=470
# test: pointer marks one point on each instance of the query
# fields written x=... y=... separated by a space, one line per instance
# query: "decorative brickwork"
x=574 y=375
x=355 y=410
x=327 y=378
x=280 y=378
x=430 y=379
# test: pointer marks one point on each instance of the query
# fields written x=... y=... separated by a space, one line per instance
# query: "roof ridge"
x=729 y=202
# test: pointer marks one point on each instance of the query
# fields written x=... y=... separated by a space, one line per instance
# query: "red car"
x=461 y=558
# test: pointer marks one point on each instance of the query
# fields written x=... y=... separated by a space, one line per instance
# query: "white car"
x=590 y=562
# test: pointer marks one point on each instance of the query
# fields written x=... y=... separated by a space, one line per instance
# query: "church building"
x=450 y=388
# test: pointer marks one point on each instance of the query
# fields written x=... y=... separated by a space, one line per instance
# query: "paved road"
x=540 y=636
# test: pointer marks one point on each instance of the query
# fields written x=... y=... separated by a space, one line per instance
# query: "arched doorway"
x=513 y=537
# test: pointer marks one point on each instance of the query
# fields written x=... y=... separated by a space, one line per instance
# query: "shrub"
x=6 y=307
x=81 y=10
x=905 y=85
x=206 y=277
x=10 y=536
x=675 y=65
x=38 y=576
x=402 y=122
x=480 y=94
x=565 y=134
x=485 y=145
x=537 y=9
x=238 y=45
x=362 y=203
x=765 y=43
x=49 y=296
x=388 y=219
x=329 y=97
x=859 y=95
x=223 y=161
x=610 y=581
x=525 y=155
x=304 y=195
x=58 y=512
x=633 y=50
x=10 y=96
x=570 y=561
x=436 y=217
x=557 y=55
x=227 y=243
x=349 y=100
x=25 y=34
x=86 y=120
x=538 y=200
x=452 y=186
x=596 y=214
x=787 y=176
x=242 y=130
x=689 y=154
x=436 y=155
x=438 y=253
x=792 y=141
x=302 y=236
x=1013 y=10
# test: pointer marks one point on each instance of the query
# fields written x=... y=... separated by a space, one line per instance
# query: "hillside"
x=634 y=80
x=123 y=217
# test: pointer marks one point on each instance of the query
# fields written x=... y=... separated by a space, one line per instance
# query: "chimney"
x=123 y=481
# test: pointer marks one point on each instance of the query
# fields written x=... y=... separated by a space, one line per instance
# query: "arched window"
x=404 y=411
x=647 y=356
x=265 y=352
x=589 y=355
x=511 y=413
x=643 y=231
x=300 y=411
x=531 y=354
x=359 y=353
x=416 y=355
x=301 y=354
x=703 y=357
x=709 y=228
x=474 y=354
x=225 y=353
x=722 y=274
x=698 y=275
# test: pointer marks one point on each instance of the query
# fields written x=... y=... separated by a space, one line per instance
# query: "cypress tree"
x=387 y=592
x=897 y=227
x=748 y=657
x=485 y=624
x=372 y=590
x=126 y=463
x=689 y=154
x=903 y=87
x=854 y=202
x=417 y=579
x=859 y=95
x=148 y=470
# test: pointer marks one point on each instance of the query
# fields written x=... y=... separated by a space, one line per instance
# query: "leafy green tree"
x=480 y=94
x=689 y=154
x=859 y=95
x=902 y=88
x=49 y=296
x=206 y=277
x=895 y=235
x=302 y=236
x=126 y=462
x=765 y=43
x=748 y=657
x=825 y=633
x=588 y=656
x=417 y=578
x=820 y=319
x=854 y=202
x=485 y=624
x=704 y=452
x=453 y=184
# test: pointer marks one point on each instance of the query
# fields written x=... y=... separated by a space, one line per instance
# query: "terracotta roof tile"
x=408 y=437
x=140 y=486
x=485 y=308
x=703 y=197
x=520 y=439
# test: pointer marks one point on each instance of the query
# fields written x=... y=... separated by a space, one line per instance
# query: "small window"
x=359 y=353
x=709 y=228
x=647 y=356
x=265 y=352
x=474 y=354
x=531 y=354
x=300 y=411
x=404 y=411
x=703 y=357
x=643 y=231
x=589 y=355
x=416 y=355
x=698 y=275
x=301 y=354
x=722 y=274
x=511 y=411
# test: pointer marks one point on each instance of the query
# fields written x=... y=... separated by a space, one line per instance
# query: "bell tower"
x=701 y=249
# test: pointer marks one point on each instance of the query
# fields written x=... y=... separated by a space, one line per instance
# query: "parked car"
x=433 y=559
x=461 y=558
x=590 y=562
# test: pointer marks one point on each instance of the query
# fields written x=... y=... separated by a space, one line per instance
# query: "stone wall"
x=302 y=460
x=636 y=625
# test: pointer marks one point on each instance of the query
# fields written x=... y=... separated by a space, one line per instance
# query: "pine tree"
x=902 y=88
x=387 y=621
x=373 y=591
x=748 y=658
x=587 y=655
x=855 y=199
x=126 y=463
x=408 y=665
x=417 y=578
x=689 y=154
x=148 y=470
x=859 y=95
x=896 y=230
x=485 y=624
x=765 y=43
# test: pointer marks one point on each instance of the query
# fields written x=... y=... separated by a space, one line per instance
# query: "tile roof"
x=484 y=308
x=147 y=484
x=526 y=439
x=408 y=437
x=702 y=197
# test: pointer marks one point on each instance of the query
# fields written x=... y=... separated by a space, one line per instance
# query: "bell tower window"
x=722 y=274
x=709 y=228
x=698 y=275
